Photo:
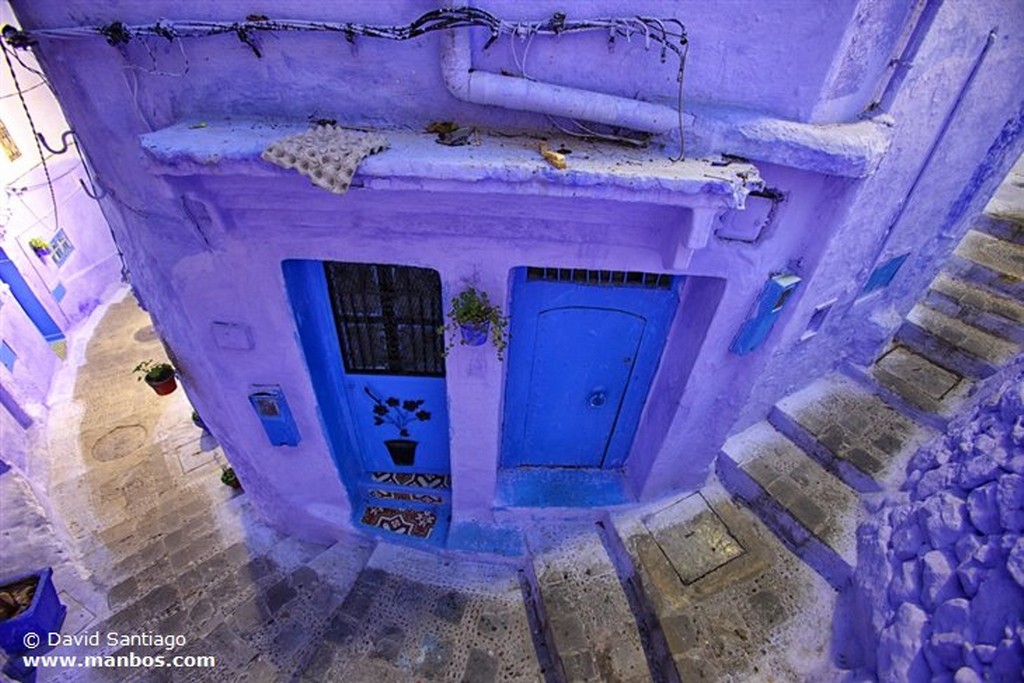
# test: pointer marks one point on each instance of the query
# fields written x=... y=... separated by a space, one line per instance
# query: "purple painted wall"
x=68 y=291
x=205 y=224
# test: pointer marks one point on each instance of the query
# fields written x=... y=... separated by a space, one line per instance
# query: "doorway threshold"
x=561 y=487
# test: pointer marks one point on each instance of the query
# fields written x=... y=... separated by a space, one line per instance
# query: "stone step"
x=417 y=615
x=812 y=511
x=733 y=603
x=997 y=314
x=990 y=262
x=850 y=431
x=955 y=345
x=261 y=619
x=1007 y=228
x=921 y=388
x=589 y=617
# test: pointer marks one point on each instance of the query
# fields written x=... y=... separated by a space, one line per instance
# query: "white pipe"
x=852 y=150
x=480 y=87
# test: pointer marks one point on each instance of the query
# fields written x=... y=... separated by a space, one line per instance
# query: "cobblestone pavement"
x=145 y=539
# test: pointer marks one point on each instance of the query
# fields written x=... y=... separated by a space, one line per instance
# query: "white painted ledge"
x=495 y=164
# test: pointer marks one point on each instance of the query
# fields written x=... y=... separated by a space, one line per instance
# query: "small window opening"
x=817 y=319
x=883 y=275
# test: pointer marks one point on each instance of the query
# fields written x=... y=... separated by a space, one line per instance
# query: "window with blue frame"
x=61 y=248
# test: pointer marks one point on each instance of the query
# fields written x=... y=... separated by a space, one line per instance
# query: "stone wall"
x=943 y=566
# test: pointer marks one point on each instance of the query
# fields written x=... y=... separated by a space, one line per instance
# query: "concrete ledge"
x=496 y=164
x=851 y=150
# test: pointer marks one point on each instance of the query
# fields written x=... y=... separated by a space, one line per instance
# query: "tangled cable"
x=669 y=33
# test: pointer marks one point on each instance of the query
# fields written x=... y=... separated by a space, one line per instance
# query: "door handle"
x=596 y=399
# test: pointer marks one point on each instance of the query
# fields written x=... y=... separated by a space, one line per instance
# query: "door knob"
x=596 y=399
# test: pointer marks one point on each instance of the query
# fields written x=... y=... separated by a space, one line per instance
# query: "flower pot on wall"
x=402 y=451
x=475 y=334
x=41 y=252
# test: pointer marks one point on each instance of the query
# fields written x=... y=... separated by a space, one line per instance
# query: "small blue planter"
x=475 y=334
x=44 y=616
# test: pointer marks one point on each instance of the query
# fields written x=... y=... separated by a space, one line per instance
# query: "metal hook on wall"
x=89 y=189
x=63 y=141
x=92 y=193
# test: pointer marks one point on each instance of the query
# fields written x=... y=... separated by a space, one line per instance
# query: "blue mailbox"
x=773 y=297
x=272 y=409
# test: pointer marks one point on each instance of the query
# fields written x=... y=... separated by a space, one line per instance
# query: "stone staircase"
x=827 y=449
x=694 y=588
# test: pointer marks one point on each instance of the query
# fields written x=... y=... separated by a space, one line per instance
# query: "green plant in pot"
x=159 y=376
x=475 y=318
x=229 y=478
x=399 y=414
x=40 y=246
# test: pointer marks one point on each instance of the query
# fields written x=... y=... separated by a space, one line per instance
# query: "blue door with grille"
x=370 y=334
x=583 y=352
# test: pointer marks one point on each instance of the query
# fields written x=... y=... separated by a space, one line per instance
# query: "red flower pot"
x=163 y=385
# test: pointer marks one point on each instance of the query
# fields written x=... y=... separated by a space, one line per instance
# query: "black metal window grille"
x=619 y=278
x=388 y=318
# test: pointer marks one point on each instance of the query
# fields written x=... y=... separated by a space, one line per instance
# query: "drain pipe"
x=511 y=92
x=850 y=150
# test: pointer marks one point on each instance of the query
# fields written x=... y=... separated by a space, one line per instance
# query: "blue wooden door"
x=583 y=352
x=27 y=299
x=575 y=398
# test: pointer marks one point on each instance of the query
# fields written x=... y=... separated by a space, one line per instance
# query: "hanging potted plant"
x=475 y=318
x=399 y=414
x=29 y=611
x=40 y=246
x=229 y=478
x=159 y=376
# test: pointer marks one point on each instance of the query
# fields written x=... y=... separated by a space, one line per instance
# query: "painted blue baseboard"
x=561 y=487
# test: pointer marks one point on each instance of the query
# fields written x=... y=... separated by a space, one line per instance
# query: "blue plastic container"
x=475 y=334
x=44 y=616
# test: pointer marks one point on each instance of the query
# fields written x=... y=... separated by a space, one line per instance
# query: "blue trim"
x=307 y=290
x=883 y=275
x=28 y=301
x=7 y=356
x=59 y=292
x=753 y=332
x=561 y=487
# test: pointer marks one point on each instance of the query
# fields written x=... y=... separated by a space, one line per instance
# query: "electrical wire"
x=669 y=33
x=35 y=132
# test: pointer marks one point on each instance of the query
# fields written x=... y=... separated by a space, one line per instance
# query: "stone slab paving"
x=789 y=482
x=28 y=542
x=591 y=622
x=852 y=431
x=1000 y=315
x=919 y=383
x=416 y=615
x=761 y=614
x=953 y=344
x=989 y=261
